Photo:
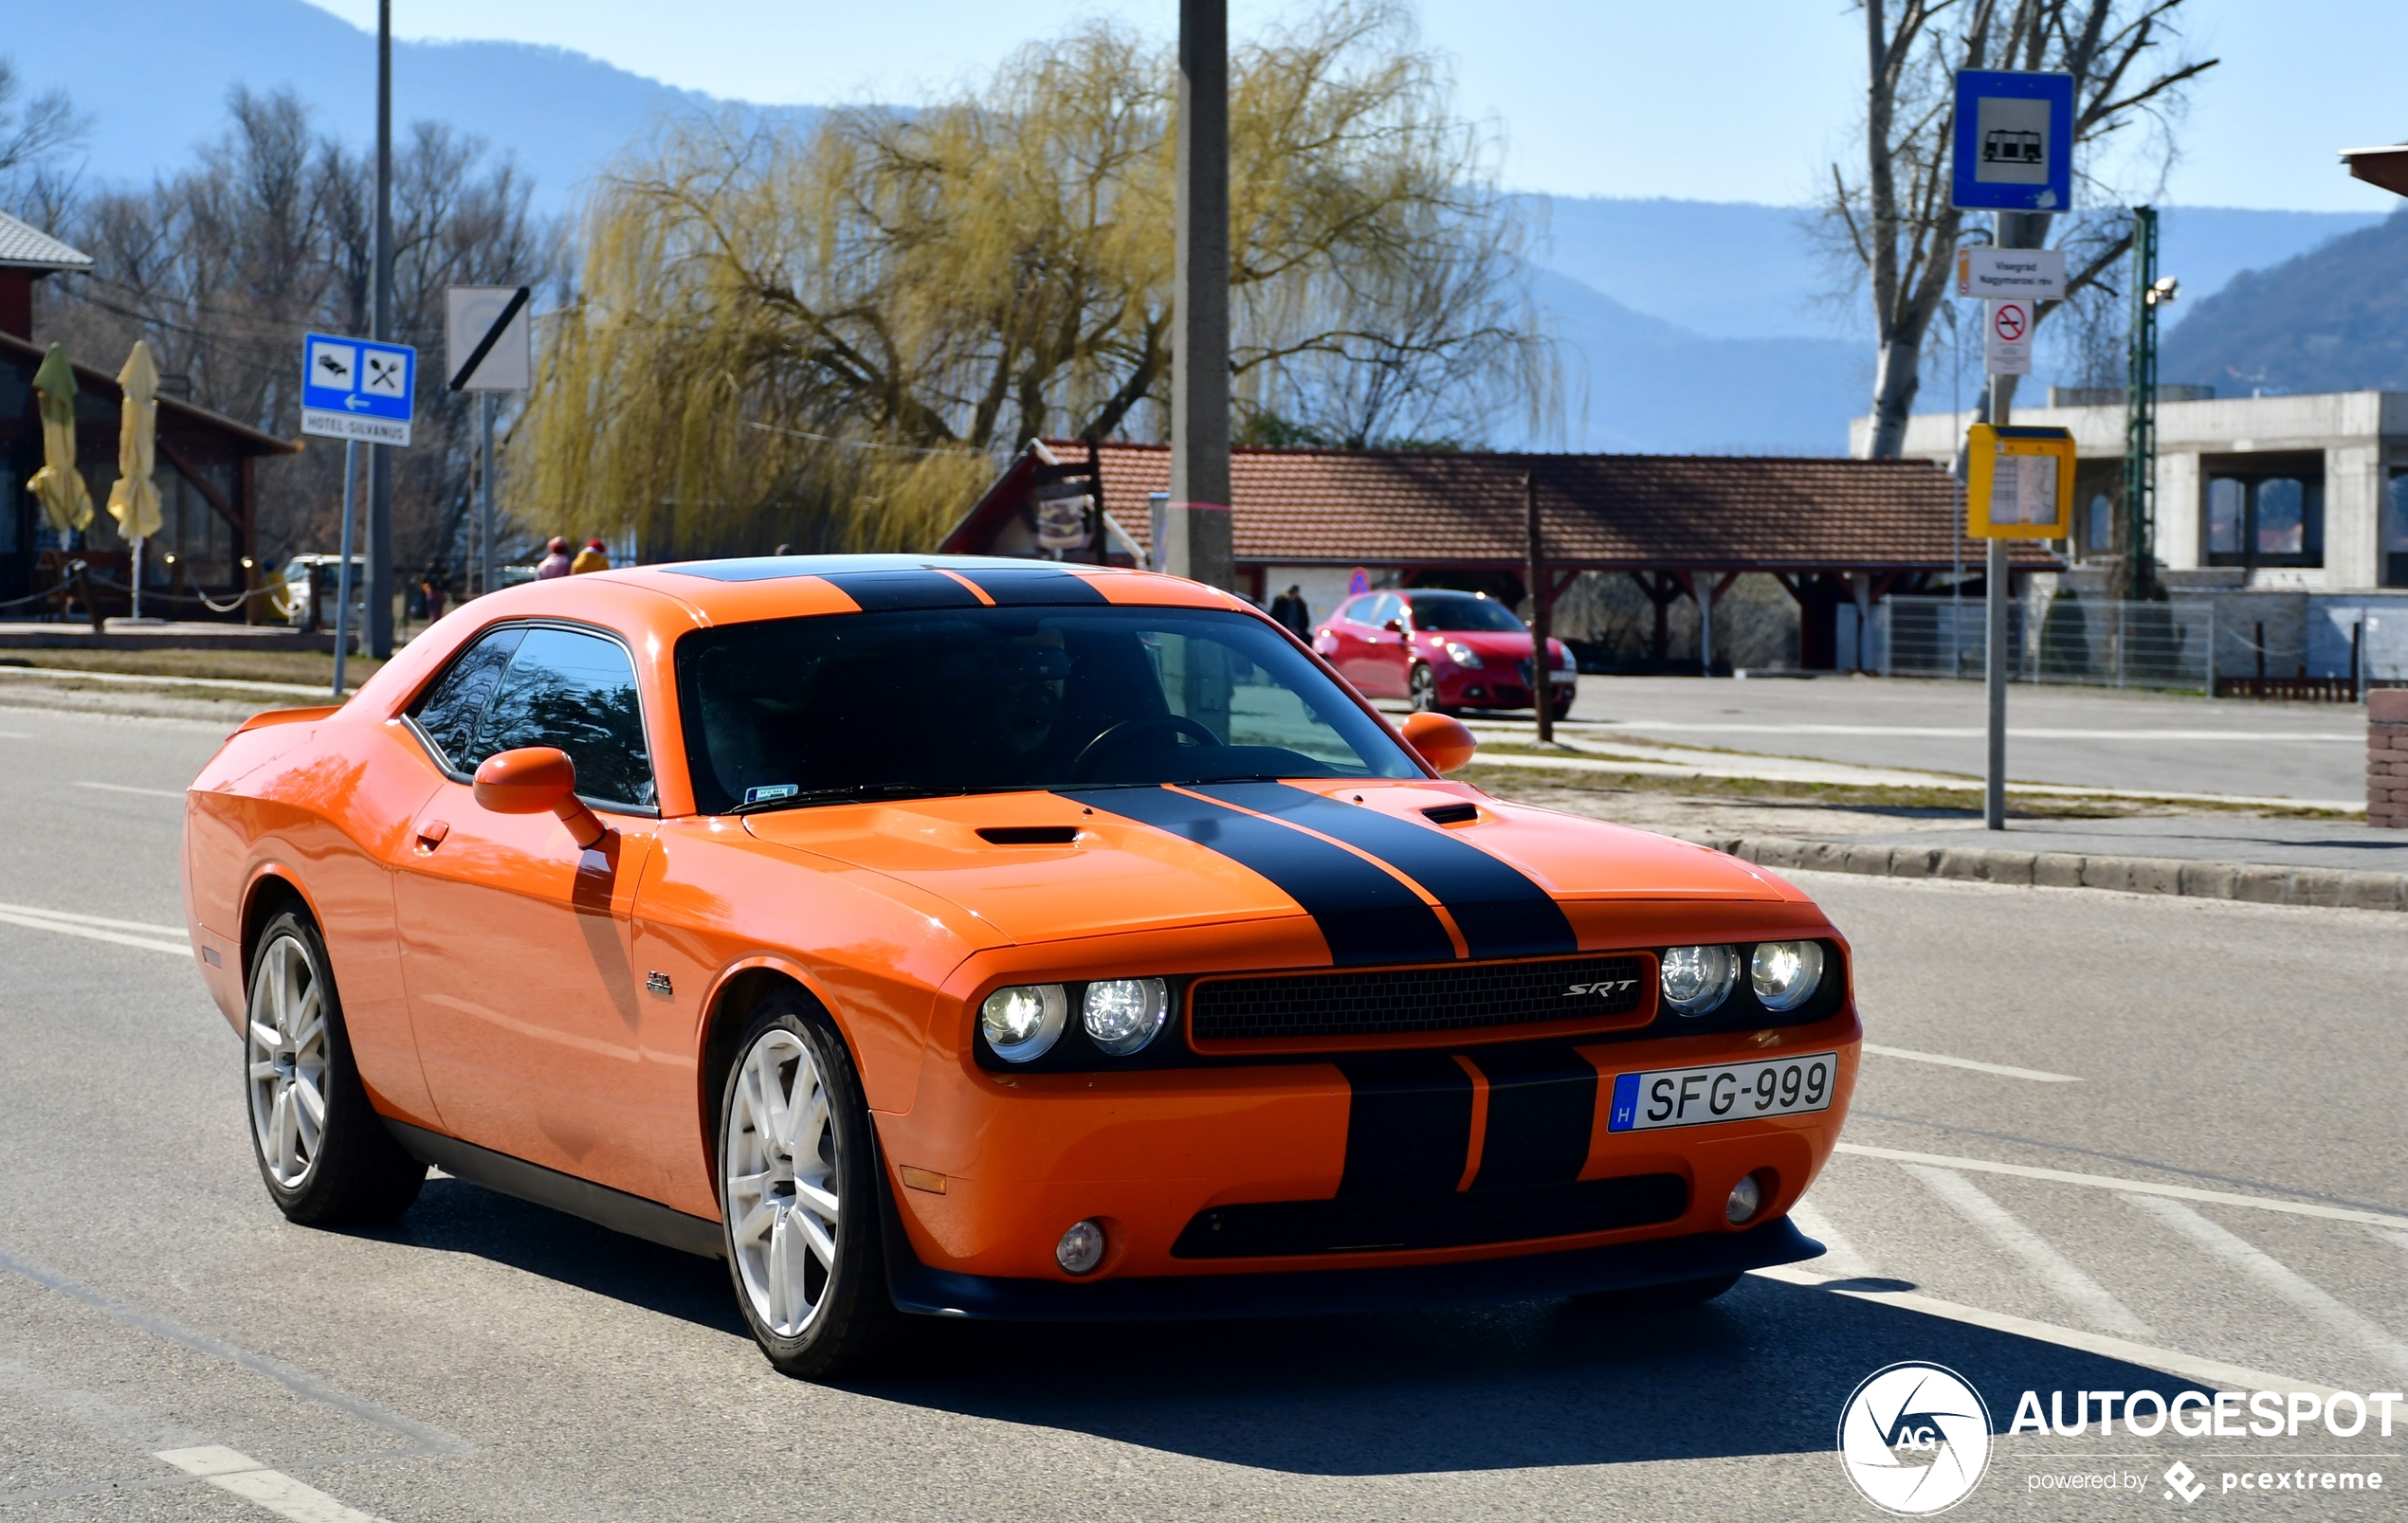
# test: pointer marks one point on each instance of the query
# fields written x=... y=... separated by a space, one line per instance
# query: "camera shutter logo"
x=1915 y=1439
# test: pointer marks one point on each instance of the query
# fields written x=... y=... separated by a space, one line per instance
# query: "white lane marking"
x=2138 y=1187
x=90 y=932
x=2213 y=1374
x=2003 y=1069
x=78 y=917
x=2278 y=1278
x=2050 y=1267
x=2328 y=738
x=54 y=673
x=245 y=1478
x=1842 y=1258
x=121 y=787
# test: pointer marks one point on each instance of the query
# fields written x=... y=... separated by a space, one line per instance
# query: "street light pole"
x=1198 y=516
x=380 y=467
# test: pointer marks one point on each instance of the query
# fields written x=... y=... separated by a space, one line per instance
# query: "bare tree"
x=222 y=267
x=1895 y=226
x=37 y=136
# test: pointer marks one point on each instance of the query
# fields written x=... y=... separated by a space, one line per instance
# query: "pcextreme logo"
x=1915 y=1439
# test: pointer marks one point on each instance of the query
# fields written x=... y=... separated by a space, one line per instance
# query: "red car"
x=1444 y=649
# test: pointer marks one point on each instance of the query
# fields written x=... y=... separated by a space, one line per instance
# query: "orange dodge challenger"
x=993 y=939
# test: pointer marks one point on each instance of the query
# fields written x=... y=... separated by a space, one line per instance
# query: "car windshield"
x=915 y=704
x=1463 y=610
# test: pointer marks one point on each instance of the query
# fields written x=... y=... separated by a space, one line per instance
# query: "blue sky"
x=1712 y=100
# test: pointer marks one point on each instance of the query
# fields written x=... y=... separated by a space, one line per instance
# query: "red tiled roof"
x=1661 y=511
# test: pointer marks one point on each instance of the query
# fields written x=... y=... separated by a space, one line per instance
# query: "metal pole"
x=1200 y=542
x=138 y=578
x=380 y=469
x=342 y=570
x=2140 y=427
x=1541 y=621
x=484 y=491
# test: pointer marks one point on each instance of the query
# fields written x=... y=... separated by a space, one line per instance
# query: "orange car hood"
x=1125 y=870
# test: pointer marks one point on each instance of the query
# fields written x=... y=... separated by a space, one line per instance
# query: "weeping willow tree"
x=829 y=338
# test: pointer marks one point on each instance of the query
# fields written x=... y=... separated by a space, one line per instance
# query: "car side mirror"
x=1443 y=743
x=533 y=779
x=1394 y=627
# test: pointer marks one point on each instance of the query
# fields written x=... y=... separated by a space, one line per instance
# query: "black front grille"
x=1399 y=1002
x=1369 y=1225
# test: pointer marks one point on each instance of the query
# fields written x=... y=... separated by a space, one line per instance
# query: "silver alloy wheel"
x=285 y=1047
x=1423 y=686
x=778 y=1175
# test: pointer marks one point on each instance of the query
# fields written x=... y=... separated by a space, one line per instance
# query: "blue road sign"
x=2015 y=142
x=357 y=388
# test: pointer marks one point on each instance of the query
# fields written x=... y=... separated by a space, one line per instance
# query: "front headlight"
x=1696 y=980
x=1785 y=973
x=1122 y=1014
x=1023 y=1022
x=1462 y=655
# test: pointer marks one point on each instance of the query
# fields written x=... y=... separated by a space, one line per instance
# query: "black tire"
x=1659 y=1298
x=847 y=1322
x=353 y=1172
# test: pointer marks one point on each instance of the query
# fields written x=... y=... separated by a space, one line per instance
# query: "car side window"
x=448 y=715
x=1389 y=606
x=575 y=691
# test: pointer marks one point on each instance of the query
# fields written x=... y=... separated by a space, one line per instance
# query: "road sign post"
x=488 y=348
x=2013 y=153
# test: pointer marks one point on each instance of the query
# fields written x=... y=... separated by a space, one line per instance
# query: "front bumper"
x=916 y=1288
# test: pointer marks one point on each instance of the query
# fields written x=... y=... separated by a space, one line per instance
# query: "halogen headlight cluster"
x=1462 y=655
x=1119 y=1015
x=1782 y=974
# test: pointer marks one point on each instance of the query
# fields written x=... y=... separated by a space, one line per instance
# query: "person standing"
x=591 y=559
x=436 y=585
x=555 y=560
x=1289 y=611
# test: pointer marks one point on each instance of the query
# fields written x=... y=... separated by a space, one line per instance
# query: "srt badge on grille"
x=1605 y=986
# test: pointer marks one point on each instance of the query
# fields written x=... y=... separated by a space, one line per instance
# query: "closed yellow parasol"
x=134 y=501
x=58 y=486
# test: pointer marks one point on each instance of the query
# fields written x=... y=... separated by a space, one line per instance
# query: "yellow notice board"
x=2019 y=484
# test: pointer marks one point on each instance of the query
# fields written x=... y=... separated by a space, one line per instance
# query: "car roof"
x=766 y=587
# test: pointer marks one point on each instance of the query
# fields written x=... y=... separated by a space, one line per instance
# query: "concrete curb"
x=2254 y=883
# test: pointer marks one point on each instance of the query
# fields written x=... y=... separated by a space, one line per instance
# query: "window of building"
x=2100 y=534
x=2391 y=557
x=2266 y=514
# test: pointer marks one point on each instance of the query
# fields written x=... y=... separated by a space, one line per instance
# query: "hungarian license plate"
x=1728 y=1091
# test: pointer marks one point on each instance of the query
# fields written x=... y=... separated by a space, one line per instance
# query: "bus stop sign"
x=2015 y=142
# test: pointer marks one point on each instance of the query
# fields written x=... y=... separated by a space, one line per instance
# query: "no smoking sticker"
x=2006 y=348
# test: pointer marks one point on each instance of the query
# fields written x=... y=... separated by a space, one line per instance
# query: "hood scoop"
x=1029 y=835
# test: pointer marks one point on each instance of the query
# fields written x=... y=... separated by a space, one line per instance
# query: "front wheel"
x=1422 y=687
x=326 y=1158
x=798 y=1195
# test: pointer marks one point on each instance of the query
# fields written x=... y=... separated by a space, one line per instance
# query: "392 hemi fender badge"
x=658 y=983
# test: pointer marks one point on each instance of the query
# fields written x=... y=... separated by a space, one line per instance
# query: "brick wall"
x=2387 y=757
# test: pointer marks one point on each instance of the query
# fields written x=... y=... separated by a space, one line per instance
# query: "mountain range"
x=1687 y=325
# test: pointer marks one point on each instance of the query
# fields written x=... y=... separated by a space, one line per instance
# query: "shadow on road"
x=1763 y=1371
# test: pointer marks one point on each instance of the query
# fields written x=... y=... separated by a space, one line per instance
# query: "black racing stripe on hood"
x=1542 y=1104
x=884 y=592
x=1499 y=911
x=1037 y=587
x=1408 y=1123
x=1365 y=915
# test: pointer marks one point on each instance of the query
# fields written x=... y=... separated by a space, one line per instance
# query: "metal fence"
x=2064 y=637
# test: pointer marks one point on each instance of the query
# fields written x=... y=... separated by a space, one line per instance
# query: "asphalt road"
x=2086 y=737
x=488 y=1359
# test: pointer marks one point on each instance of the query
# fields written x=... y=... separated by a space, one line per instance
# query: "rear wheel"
x=798 y=1195
x=326 y=1158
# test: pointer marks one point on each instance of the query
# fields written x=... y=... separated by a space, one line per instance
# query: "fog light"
x=1023 y=1022
x=1747 y=1198
x=1696 y=980
x=1122 y=1014
x=1785 y=973
x=1081 y=1248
